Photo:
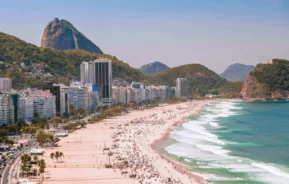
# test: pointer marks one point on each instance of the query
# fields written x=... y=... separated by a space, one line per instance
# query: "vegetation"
x=63 y=65
x=45 y=139
x=73 y=126
x=201 y=80
x=27 y=164
x=274 y=76
x=56 y=155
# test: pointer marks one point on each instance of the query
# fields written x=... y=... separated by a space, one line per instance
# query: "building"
x=119 y=94
x=99 y=72
x=15 y=101
x=55 y=90
x=182 y=88
x=26 y=108
x=5 y=84
x=44 y=105
x=82 y=97
x=64 y=103
x=6 y=109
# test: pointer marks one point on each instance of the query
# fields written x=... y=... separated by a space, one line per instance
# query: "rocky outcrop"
x=153 y=68
x=268 y=81
x=237 y=72
x=62 y=35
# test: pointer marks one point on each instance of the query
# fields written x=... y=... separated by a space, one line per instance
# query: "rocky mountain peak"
x=62 y=35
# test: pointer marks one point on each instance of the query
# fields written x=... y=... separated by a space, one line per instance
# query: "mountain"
x=201 y=80
x=237 y=72
x=62 y=65
x=153 y=68
x=268 y=81
x=62 y=35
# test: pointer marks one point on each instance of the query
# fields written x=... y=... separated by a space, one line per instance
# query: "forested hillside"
x=62 y=65
x=201 y=80
x=268 y=81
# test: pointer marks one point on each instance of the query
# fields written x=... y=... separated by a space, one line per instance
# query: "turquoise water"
x=237 y=143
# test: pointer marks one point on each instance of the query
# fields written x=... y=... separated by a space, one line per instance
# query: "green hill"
x=268 y=81
x=201 y=80
x=62 y=65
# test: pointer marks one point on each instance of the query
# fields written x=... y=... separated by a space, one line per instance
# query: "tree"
x=12 y=127
x=52 y=155
x=44 y=138
x=42 y=165
x=26 y=164
x=3 y=132
x=109 y=155
x=35 y=158
x=57 y=155
x=55 y=121
x=61 y=155
x=9 y=142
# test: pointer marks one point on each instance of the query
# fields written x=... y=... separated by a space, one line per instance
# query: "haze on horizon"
x=213 y=33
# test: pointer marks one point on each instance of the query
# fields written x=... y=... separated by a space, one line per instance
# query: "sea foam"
x=195 y=142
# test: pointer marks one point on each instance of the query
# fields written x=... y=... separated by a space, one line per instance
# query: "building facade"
x=182 y=88
x=82 y=97
x=6 y=109
x=99 y=72
x=44 y=105
x=5 y=84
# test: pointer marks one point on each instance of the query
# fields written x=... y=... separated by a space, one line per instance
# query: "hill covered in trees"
x=268 y=81
x=28 y=65
x=201 y=80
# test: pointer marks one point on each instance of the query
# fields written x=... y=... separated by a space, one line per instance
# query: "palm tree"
x=26 y=163
x=52 y=155
x=61 y=155
x=35 y=159
x=42 y=165
x=109 y=155
x=56 y=155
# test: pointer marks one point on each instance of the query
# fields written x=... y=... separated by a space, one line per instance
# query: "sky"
x=215 y=33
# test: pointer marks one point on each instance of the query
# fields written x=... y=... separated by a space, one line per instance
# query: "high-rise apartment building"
x=6 y=109
x=99 y=72
x=44 y=104
x=5 y=84
x=81 y=97
x=25 y=108
x=182 y=88
x=55 y=90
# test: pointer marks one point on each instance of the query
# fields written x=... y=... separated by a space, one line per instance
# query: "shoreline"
x=132 y=138
x=180 y=167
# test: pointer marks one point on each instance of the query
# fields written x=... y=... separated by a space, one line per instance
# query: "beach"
x=122 y=149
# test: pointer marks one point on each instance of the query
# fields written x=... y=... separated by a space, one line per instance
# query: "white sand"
x=84 y=156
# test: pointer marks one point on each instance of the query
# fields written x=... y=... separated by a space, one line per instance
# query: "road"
x=10 y=162
x=5 y=172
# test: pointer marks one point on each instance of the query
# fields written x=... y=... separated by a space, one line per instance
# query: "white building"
x=5 y=84
x=119 y=94
x=44 y=104
x=182 y=88
x=6 y=109
x=25 y=108
x=82 y=97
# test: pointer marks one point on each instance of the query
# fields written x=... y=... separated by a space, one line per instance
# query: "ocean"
x=236 y=143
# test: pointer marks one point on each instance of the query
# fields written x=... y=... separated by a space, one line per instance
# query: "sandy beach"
x=130 y=139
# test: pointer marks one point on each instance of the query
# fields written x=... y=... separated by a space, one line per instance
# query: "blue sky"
x=210 y=32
